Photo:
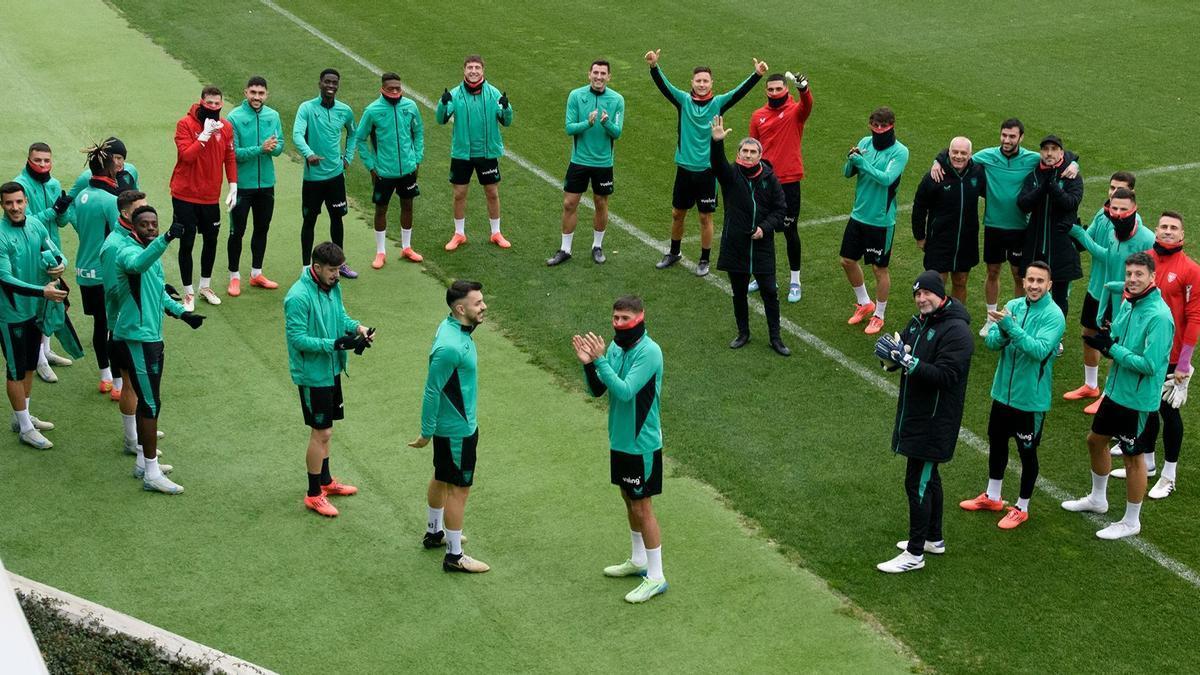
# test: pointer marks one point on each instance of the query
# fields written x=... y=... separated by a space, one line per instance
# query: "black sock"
x=326 y=479
x=314 y=484
x=453 y=557
x=704 y=253
x=675 y=246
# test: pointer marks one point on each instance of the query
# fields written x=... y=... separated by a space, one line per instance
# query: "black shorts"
x=487 y=171
x=202 y=218
x=404 y=187
x=1001 y=245
x=454 y=459
x=322 y=405
x=1134 y=431
x=118 y=356
x=22 y=343
x=331 y=193
x=872 y=244
x=791 y=197
x=694 y=188
x=93 y=300
x=639 y=476
x=578 y=177
x=147 y=361
x=1087 y=318
x=1020 y=425
x=945 y=259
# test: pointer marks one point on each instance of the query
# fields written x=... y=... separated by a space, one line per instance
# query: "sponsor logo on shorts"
x=216 y=223
x=489 y=172
x=632 y=481
x=1028 y=438
x=1126 y=441
x=606 y=184
x=879 y=251
x=339 y=205
x=709 y=200
x=788 y=221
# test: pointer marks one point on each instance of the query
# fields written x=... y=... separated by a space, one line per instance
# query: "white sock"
x=152 y=469
x=1168 y=471
x=880 y=308
x=1091 y=376
x=188 y=290
x=43 y=352
x=598 y=238
x=460 y=226
x=654 y=569
x=106 y=374
x=796 y=277
x=118 y=382
x=1133 y=514
x=495 y=223
x=235 y=276
x=454 y=542
x=140 y=460
x=860 y=295
x=255 y=272
x=434 y=523
x=406 y=238
x=380 y=242
x=993 y=490
x=27 y=408
x=23 y=420
x=205 y=282
x=1149 y=458
x=638 y=554
x=991 y=308
x=1099 y=488
x=567 y=240
x=1023 y=504
x=130 y=424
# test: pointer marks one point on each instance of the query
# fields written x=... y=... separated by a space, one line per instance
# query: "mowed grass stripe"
x=237 y=563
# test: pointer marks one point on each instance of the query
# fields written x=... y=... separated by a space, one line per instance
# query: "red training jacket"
x=1178 y=278
x=197 y=174
x=781 y=131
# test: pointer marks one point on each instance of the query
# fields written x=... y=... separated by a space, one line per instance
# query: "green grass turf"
x=799 y=445
x=238 y=564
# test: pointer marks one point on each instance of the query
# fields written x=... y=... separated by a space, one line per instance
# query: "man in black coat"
x=754 y=208
x=945 y=217
x=1052 y=202
x=933 y=355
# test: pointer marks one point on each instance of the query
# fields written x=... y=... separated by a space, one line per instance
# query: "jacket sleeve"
x=188 y=146
x=596 y=387
x=1031 y=189
x=9 y=281
x=849 y=169
x=445 y=111
x=349 y=325
x=805 y=107
x=295 y=311
x=573 y=125
x=996 y=339
x=299 y=131
x=720 y=165
x=890 y=173
x=1155 y=347
x=505 y=114
x=643 y=369
x=1067 y=196
x=442 y=364
x=774 y=218
x=418 y=135
x=920 y=208
x=244 y=149
x=1191 y=309
x=951 y=362
x=616 y=120
x=351 y=141
x=672 y=94
x=278 y=133
x=362 y=138
x=132 y=260
x=1041 y=341
x=171 y=307
x=230 y=154
x=730 y=98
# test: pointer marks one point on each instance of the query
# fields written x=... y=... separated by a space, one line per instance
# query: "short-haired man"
x=595 y=117
x=630 y=371
x=1178 y=278
x=46 y=202
x=204 y=143
x=257 y=141
x=1139 y=344
x=476 y=145
x=779 y=126
x=694 y=184
x=933 y=355
x=1116 y=233
x=317 y=135
x=448 y=418
x=141 y=299
x=1026 y=333
x=877 y=163
x=319 y=333
x=945 y=218
x=1052 y=202
x=391 y=140
x=30 y=267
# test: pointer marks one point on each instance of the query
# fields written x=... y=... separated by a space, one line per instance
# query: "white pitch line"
x=886 y=385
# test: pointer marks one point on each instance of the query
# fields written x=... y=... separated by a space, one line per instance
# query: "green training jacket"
x=633 y=380
x=391 y=137
x=1027 y=340
x=1143 y=331
x=1005 y=175
x=95 y=217
x=126 y=180
x=41 y=197
x=318 y=131
x=1108 y=256
x=694 y=126
x=252 y=128
x=477 y=120
x=23 y=268
x=448 y=405
x=592 y=144
x=133 y=277
x=313 y=319
x=878 y=174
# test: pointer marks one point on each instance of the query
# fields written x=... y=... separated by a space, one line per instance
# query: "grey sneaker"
x=36 y=439
x=560 y=256
x=598 y=255
x=162 y=484
x=40 y=425
x=668 y=260
x=702 y=268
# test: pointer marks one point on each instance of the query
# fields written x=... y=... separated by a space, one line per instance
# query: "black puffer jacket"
x=1052 y=203
x=929 y=410
x=750 y=201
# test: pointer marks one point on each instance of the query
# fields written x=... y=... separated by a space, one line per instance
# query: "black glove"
x=346 y=342
x=1101 y=342
x=446 y=98
x=192 y=319
x=62 y=203
x=503 y=100
x=172 y=292
x=175 y=231
x=363 y=343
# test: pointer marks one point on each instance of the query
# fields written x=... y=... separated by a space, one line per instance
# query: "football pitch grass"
x=798 y=445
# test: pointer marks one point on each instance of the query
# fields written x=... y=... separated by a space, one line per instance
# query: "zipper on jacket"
x=396 y=130
x=258 y=137
x=962 y=196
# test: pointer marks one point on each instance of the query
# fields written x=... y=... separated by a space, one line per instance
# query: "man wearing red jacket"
x=205 y=143
x=1178 y=278
x=779 y=126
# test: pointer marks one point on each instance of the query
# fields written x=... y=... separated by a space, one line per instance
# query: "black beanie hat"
x=116 y=147
x=931 y=281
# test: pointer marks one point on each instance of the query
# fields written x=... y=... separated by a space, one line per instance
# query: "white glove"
x=231 y=198
x=210 y=126
x=1168 y=388
x=1180 y=392
x=796 y=80
x=790 y=77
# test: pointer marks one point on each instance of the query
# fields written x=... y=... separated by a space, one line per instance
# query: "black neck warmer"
x=628 y=337
x=885 y=140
